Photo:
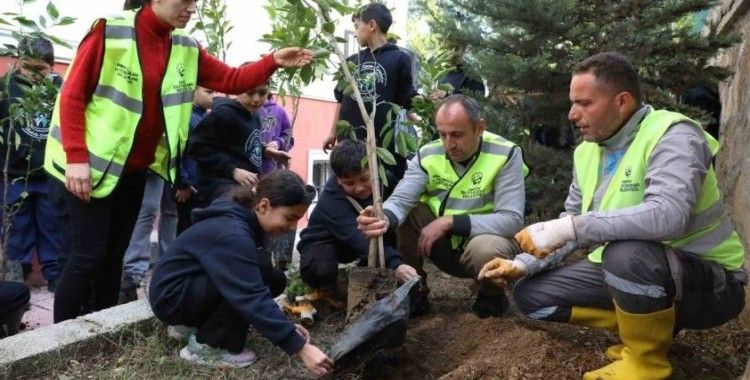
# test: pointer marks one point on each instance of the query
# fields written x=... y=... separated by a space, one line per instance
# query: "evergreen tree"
x=526 y=49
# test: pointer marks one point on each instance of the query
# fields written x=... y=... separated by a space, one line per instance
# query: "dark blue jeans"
x=33 y=226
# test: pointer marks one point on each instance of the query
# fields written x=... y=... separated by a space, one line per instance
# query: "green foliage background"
x=526 y=49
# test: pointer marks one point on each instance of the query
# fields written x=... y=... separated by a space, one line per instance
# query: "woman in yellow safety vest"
x=125 y=109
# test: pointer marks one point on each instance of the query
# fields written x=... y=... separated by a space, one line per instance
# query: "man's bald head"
x=460 y=126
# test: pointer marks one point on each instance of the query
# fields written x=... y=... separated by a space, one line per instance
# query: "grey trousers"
x=637 y=276
x=464 y=264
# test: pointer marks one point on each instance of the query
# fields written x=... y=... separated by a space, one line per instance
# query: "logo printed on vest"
x=124 y=72
x=472 y=192
x=183 y=86
x=181 y=69
x=476 y=178
x=440 y=181
x=628 y=185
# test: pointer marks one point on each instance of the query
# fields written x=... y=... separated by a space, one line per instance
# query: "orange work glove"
x=501 y=271
x=541 y=239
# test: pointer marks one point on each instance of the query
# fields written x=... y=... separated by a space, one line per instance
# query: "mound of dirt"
x=450 y=342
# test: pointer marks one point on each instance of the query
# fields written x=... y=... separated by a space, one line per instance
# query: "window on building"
x=318 y=172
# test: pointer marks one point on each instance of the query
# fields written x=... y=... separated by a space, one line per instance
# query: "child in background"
x=276 y=133
x=227 y=145
x=211 y=278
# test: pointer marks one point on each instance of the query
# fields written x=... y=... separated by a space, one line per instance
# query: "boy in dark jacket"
x=383 y=74
x=33 y=219
x=227 y=145
x=185 y=188
x=212 y=278
x=331 y=237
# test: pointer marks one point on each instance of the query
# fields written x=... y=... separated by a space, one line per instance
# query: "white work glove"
x=501 y=271
x=541 y=239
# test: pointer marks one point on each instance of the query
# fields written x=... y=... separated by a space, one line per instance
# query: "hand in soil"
x=315 y=360
x=500 y=271
x=432 y=232
x=370 y=225
x=405 y=273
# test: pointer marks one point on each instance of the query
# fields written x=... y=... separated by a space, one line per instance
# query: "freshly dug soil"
x=367 y=285
x=449 y=342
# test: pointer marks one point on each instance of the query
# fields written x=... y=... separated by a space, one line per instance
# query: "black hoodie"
x=391 y=69
x=222 y=244
x=228 y=137
x=27 y=158
x=334 y=220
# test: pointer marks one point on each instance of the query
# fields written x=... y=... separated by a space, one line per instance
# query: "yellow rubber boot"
x=601 y=319
x=646 y=338
x=614 y=352
x=593 y=317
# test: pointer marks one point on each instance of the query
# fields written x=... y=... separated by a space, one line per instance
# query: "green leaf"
x=329 y=27
x=66 y=21
x=25 y=22
x=386 y=156
x=343 y=127
x=388 y=138
x=306 y=74
x=402 y=145
x=52 y=10
x=383 y=176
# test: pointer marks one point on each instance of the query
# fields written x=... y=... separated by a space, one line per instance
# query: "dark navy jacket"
x=221 y=245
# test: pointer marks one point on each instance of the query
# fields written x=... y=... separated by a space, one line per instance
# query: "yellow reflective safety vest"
x=472 y=193
x=709 y=233
x=116 y=107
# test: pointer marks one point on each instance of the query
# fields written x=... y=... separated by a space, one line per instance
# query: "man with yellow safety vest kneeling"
x=459 y=203
x=644 y=189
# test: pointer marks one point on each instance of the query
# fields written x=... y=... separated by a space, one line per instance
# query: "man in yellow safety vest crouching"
x=644 y=190
x=459 y=203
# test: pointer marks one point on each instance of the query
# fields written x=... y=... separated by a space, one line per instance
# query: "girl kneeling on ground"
x=212 y=278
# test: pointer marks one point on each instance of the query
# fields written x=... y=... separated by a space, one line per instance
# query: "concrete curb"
x=40 y=351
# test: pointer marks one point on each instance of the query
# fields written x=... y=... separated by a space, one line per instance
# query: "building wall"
x=314 y=120
x=733 y=163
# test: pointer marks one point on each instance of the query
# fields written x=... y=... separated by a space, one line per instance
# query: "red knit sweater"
x=153 y=39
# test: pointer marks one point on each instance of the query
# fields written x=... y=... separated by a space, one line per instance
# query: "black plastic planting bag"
x=382 y=326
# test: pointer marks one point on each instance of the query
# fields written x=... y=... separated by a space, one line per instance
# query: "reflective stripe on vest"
x=116 y=106
x=709 y=233
x=447 y=193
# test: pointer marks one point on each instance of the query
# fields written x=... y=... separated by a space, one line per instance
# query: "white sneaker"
x=204 y=354
x=180 y=332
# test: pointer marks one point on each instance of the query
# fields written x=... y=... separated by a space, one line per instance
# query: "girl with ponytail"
x=212 y=282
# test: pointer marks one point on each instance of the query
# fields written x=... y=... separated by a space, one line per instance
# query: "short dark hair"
x=134 y=4
x=613 y=70
x=378 y=12
x=346 y=158
x=37 y=48
x=470 y=105
x=280 y=187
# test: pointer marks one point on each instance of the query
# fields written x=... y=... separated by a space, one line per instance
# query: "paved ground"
x=40 y=308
